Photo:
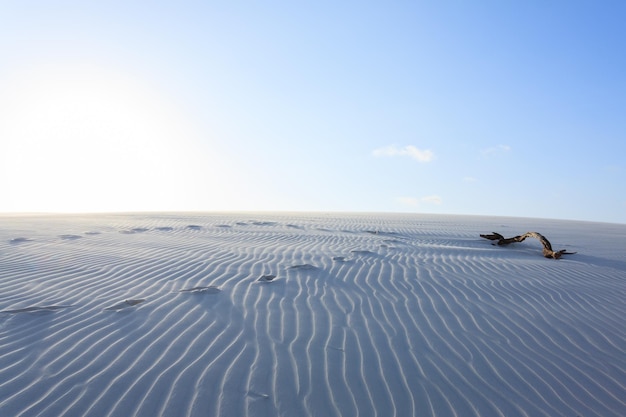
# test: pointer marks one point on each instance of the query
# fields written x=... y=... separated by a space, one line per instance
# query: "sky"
x=452 y=107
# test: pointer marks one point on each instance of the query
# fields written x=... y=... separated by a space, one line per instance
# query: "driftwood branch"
x=547 y=247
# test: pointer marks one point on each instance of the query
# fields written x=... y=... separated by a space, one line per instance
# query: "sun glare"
x=85 y=139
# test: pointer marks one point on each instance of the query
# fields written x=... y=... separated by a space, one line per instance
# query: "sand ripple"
x=361 y=315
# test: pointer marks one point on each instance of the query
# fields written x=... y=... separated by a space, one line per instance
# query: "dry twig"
x=547 y=247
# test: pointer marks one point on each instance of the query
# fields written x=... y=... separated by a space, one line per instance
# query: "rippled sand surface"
x=309 y=315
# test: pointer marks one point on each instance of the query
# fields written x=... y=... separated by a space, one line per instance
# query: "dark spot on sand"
x=70 y=237
x=362 y=252
x=304 y=267
x=18 y=240
x=267 y=278
x=134 y=230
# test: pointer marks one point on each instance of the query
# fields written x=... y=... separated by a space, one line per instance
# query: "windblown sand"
x=309 y=315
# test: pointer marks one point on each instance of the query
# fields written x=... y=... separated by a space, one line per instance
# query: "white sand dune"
x=309 y=315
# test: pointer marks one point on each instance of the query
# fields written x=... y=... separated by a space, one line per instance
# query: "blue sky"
x=492 y=108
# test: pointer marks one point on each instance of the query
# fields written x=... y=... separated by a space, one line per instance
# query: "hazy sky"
x=468 y=107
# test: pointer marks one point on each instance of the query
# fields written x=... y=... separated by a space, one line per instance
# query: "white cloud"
x=432 y=199
x=496 y=150
x=469 y=179
x=411 y=151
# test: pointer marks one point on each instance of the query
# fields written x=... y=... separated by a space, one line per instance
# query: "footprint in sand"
x=380 y=233
x=362 y=252
x=35 y=309
x=93 y=233
x=18 y=240
x=258 y=395
x=133 y=231
x=125 y=304
x=70 y=237
x=194 y=227
x=211 y=289
x=339 y=259
x=165 y=229
x=267 y=278
x=259 y=223
x=304 y=267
